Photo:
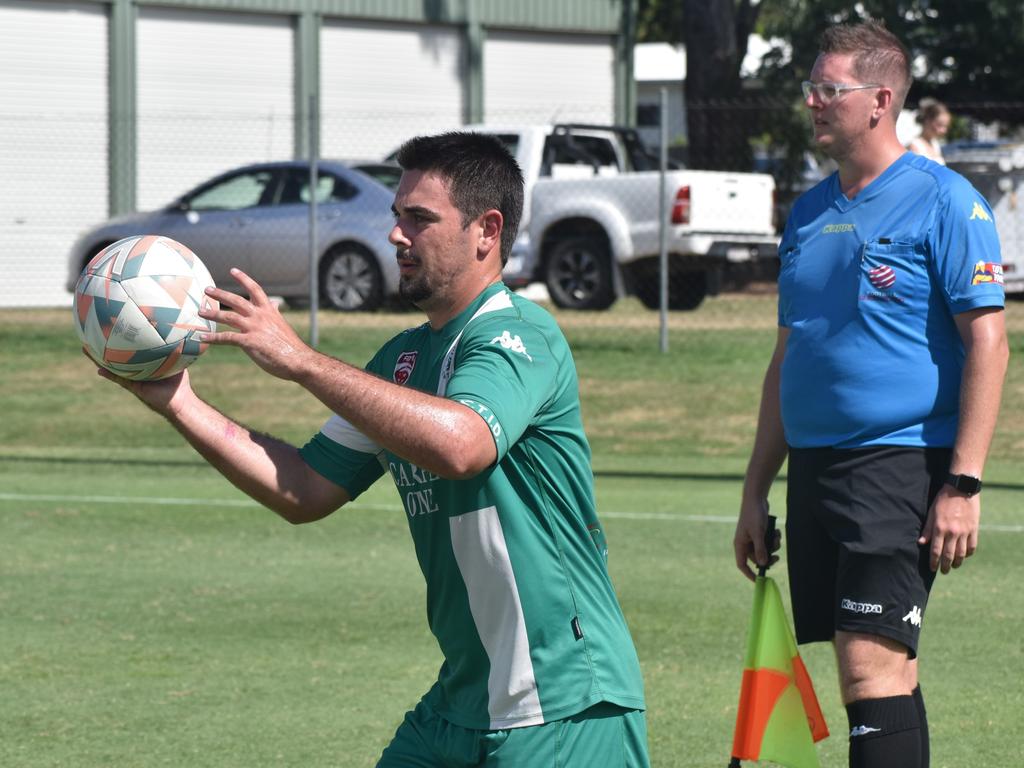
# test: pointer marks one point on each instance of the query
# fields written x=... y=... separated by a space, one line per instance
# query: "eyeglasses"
x=826 y=93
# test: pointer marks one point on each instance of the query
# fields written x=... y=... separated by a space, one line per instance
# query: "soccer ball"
x=136 y=307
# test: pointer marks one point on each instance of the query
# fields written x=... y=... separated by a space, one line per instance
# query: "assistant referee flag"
x=779 y=718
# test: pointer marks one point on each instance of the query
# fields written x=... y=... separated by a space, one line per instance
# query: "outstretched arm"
x=267 y=469
x=766 y=459
x=953 y=520
x=435 y=433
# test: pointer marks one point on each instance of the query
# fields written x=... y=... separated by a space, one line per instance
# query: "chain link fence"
x=603 y=225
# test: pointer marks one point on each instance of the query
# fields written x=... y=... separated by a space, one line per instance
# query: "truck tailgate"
x=725 y=202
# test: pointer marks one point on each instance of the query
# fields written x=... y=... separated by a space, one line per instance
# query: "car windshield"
x=386 y=174
x=244 y=190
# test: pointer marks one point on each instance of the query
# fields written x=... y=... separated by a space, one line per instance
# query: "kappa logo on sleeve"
x=979 y=212
x=987 y=272
x=404 y=365
x=513 y=343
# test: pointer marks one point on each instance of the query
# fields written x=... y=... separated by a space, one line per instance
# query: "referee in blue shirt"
x=883 y=391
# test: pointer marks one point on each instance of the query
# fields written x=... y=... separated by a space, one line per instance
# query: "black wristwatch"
x=965 y=483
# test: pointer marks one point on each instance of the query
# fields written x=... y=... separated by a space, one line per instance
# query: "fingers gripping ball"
x=136 y=307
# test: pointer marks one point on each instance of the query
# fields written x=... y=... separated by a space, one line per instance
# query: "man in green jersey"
x=475 y=415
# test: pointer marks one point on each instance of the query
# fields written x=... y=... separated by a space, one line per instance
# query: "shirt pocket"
x=893 y=277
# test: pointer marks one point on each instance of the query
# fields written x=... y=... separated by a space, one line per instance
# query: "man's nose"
x=397 y=236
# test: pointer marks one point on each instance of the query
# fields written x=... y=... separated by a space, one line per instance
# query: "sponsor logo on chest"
x=882 y=277
x=416 y=486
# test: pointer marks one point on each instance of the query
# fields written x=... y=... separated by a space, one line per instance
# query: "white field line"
x=356 y=507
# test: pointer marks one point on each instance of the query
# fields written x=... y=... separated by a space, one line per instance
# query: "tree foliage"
x=966 y=54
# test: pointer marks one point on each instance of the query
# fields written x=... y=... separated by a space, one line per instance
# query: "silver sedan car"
x=257 y=218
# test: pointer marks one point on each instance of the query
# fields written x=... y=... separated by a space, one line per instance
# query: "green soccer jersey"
x=518 y=594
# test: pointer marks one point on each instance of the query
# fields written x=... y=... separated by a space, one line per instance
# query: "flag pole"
x=762 y=570
x=769 y=539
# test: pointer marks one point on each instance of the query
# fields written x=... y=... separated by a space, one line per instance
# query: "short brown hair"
x=480 y=174
x=878 y=56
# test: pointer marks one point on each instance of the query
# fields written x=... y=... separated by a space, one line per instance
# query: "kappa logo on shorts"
x=914 y=617
x=863 y=730
x=404 y=365
x=850 y=605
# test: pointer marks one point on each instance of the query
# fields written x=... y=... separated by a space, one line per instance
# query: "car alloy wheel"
x=350 y=280
x=579 y=275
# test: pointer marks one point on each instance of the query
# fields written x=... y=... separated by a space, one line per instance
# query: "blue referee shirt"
x=868 y=289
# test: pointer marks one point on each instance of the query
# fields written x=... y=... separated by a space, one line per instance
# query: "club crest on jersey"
x=404 y=365
x=882 y=277
x=987 y=272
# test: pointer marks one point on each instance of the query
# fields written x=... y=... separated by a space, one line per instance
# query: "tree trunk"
x=718 y=123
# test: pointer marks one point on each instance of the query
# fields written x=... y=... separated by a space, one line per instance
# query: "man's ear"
x=883 y=103
x=491 y=223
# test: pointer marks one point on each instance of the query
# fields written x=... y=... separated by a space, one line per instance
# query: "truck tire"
x=686 y=290
x=350 y=279
x=578 y=274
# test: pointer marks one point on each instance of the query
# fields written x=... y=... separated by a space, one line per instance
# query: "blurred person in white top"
x=934 y=118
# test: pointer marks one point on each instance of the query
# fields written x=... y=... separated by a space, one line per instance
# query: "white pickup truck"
x=590 y=228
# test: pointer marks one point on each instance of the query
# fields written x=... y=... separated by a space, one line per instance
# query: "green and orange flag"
x=779 y=718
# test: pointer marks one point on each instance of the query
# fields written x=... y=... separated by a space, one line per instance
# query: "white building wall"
x=381 y=84
x=53 y=142
x=215 y=90
x=542 y=78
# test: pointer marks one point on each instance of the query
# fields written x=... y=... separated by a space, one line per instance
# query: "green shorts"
x=603 y=736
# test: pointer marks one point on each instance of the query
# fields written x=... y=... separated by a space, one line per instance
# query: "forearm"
x=432 y=432
x=980 y=392
x=265 y=468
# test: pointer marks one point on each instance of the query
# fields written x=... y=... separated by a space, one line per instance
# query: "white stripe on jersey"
x=498 y=301
x=343 y=433
x=480 y=551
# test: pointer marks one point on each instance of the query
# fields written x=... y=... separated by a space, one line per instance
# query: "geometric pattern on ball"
x=136 y=307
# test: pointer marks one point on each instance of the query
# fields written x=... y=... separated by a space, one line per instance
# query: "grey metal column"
x=307 y=78
x=663 y=223
x=475 y=36
x=123 y=126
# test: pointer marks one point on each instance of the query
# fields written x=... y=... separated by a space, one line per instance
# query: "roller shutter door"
x=543 y=78
x=381 y=84
x=53 y=140
x=215 y=90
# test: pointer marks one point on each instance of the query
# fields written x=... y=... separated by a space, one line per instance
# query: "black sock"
x=922 y=717
x=884 y=733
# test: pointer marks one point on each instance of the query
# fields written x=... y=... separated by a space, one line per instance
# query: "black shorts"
x=852 y=524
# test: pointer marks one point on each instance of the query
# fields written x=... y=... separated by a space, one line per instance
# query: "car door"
x=281 y=236
x=216 y=221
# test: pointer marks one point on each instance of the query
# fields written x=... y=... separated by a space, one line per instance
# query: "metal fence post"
x=314 y=282
x=663 y=224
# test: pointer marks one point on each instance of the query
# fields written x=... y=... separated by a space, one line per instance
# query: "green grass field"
x=151 y=615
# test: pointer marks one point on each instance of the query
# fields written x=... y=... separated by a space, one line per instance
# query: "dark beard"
x=414 y=289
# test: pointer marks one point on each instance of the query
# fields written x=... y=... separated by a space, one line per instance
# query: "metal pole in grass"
x=314 y=287
x=663 y=224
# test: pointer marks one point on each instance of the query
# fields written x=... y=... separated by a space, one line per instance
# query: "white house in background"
x=657 y=66
x=663 y=65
